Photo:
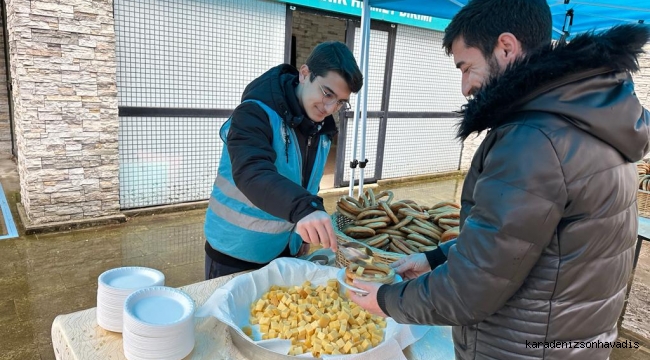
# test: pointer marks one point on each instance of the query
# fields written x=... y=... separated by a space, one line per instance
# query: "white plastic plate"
x=159 y=306
x=132 y=277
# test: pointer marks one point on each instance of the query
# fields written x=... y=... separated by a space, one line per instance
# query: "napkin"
x=231 y=305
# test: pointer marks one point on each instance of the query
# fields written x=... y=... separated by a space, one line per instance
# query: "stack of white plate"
x=158 y=324
x=115 y=285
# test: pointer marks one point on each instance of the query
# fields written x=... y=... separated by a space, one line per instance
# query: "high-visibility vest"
x=236 y=227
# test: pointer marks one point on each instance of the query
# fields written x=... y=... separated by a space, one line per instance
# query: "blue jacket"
x=234 y=225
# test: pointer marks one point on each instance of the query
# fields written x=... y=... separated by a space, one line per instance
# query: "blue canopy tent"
x=570 y=17
x=587 y=14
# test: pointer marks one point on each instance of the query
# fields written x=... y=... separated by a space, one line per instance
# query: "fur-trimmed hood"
x=585 y=81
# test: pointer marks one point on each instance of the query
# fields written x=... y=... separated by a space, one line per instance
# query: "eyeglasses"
x=330 y=99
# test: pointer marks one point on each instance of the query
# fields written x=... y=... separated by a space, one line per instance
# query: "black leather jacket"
x=549 y=214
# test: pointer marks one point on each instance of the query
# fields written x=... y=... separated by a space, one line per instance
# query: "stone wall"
x=63 y=71
x=311 y=30
x=5 y=125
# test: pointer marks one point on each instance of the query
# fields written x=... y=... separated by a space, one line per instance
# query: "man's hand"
x=412 y=266
x=367 y=302
x=316 y=228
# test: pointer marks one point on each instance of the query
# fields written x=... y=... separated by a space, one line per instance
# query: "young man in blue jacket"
x=264 y=202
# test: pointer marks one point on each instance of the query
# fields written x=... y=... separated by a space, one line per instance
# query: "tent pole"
x=364 y=105
x=357 y=104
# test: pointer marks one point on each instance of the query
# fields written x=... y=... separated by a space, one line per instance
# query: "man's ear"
x=507 y=49
x=303 y=73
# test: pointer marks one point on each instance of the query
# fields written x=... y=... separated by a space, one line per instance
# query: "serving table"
x=77 y=336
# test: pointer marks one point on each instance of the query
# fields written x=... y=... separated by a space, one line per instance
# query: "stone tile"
x=188 y=234
x=174 y=245
x=150 y=261
x=129 y=240
x=96 y=239
x=46 y=306
x=182 y=254
x=13 y=286
x=642 y=353
x=68 y=261
x=188 y=217
x=67 y=252
x=39 y=283
x=8 y=312
x=132 y=250
x=43 y=331
x=21 y=352
x=8 y=249
x=17 y=335
x=637 y=313
x=51 y=254
x=87 y=274
x=178 y=276
x=7 y=269
x=46 y=352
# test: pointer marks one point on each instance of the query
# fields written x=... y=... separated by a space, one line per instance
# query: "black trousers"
x=214 y=269
x=225 y=265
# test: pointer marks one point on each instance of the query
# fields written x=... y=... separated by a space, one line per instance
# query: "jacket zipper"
x=294 y=138
x=306 y=161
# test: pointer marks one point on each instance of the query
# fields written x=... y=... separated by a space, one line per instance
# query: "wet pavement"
x=44 y=275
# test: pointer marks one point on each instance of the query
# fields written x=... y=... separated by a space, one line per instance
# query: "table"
x=77 y=335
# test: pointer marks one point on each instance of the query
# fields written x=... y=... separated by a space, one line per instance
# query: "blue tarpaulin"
x=570 y=18
x=588 y=15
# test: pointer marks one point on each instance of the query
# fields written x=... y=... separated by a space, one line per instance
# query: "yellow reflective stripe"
x=231 y=191
x=248 y=222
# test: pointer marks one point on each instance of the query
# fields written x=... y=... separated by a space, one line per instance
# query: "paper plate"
x=159 y=306
x=340 y=276
x=132 y=277
x=115 y=285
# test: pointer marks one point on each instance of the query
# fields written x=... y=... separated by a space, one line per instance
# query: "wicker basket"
x=339 y=222
x=643 y=201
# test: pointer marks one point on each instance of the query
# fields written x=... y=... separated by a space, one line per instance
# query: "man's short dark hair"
x=335 y=56
x=480 y=23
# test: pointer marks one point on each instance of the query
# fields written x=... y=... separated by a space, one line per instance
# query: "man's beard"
x=495 y=69
x=494 y=72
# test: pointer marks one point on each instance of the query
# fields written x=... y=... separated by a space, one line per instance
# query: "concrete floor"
x=44 y=275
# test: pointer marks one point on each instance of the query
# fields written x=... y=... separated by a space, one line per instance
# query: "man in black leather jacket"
x=549 y=214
